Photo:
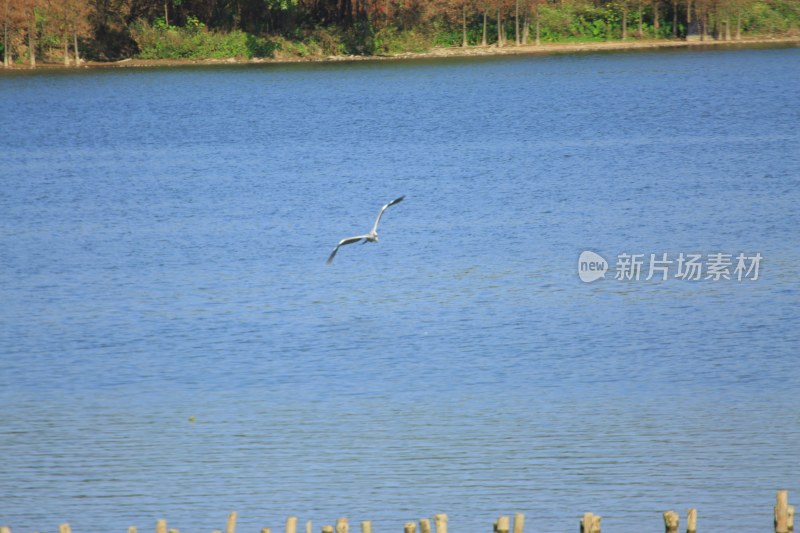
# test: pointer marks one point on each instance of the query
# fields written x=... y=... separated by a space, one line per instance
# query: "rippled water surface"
x=172 y=344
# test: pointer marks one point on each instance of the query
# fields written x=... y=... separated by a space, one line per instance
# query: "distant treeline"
x=65 y=30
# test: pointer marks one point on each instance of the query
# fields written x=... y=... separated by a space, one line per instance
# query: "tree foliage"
x=110 y=29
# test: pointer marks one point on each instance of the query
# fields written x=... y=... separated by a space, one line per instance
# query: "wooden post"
x=366 y=526
x=64 y=528
x=782 y=512
x=342 y=526
x=590 y=523
x=5 y=529
x=231 y=526
x=519 y=522
x=586 y=523
x=265 y=530
x=440 y=522
x=691 y=520
x=291 y=524
x=671 y=521
x=161 y=526
x=790 y=518
x=410 y=527
x=132 y=529
x=174 y=531
x=327 y=529
x=503 y=524
x=424 y=525
x=308 y=526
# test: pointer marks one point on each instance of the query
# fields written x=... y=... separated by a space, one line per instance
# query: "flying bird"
x=372 y=236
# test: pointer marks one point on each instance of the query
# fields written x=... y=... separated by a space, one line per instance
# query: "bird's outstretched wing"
x=384 y=208
x=349 y=240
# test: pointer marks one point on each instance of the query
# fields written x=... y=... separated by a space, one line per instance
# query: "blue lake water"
x=173 y=346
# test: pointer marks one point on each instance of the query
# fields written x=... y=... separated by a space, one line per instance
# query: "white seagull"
x=372 y=236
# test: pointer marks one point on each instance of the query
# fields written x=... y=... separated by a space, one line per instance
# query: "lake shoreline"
x=441 y=52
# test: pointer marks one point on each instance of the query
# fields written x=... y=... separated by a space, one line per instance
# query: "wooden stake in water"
x=782 y=512
x=590 y=523
x=342 y=525
x=424 y=525
x=265 y=530
x=691 y=520
x=5 y=529
x=519 y=522
x=366 y=526
x=64 y=528
x=161 y=526
x=671 y=521
x=132 y=529
x=291 y=524
x=410 y=527
x=231 y=526
x=308 y=526
x=327 y=529
x=790 y=518
x=440 y=522
x=503 y=524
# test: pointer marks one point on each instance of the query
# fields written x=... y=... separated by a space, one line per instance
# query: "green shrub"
x=390 y=40
x=770 y=18
x=195 y=41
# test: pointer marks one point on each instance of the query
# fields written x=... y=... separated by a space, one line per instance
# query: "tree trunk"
x=66 y=49
x=483 y=41
x=6 y=54
x=166 y=14
x=674 y=18
x=499 y=28
x=727 y=27
x=516 y=24
x=5 y=41
x=624 y=22
x=640 y=29
x=464 y=25
x=526 y=24
x=32 y=43
x=656 y=24
x=75 y=47
x=538 y=25
x=703 y=18
x=738 y=25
